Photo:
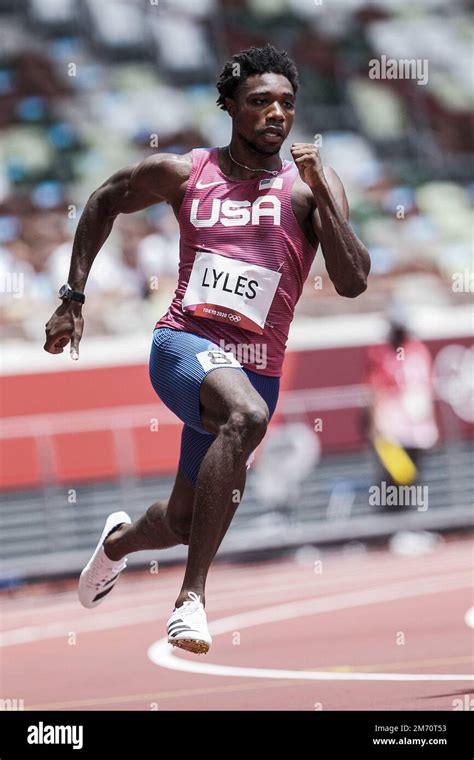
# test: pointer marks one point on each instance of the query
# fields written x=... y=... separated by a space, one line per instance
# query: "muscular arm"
x=158 y=178
x=161 y=177
x=347 y=259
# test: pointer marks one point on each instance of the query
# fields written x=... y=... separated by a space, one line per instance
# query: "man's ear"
x=231 y=106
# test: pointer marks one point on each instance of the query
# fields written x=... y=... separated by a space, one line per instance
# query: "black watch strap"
x=66 y=293
x=76 y=296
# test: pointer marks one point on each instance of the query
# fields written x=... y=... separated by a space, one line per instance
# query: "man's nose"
x=276 y=112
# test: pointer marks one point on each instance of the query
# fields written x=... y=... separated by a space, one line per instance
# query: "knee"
x=248 y=424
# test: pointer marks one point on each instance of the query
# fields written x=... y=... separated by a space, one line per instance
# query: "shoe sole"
x=196 y=646
x=113 y=519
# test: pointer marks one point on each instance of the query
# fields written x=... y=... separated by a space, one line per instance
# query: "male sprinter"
x=250 y=224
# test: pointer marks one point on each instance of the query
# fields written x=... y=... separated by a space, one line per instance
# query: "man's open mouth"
x=273 y=131
x=273 y=135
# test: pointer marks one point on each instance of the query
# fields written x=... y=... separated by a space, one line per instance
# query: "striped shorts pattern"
x=176 y=375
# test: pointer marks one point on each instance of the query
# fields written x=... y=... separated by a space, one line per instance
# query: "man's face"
x=263 y=111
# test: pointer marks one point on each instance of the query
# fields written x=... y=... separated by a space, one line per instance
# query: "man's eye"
x=288 y=104
x=258 y=101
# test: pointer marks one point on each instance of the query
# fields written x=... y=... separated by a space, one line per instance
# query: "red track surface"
x=350 y=618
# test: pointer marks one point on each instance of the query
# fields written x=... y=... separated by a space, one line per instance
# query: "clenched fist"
x=308 y=161
x=65 y=325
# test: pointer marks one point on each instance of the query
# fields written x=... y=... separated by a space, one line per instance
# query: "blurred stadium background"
x=87 y=87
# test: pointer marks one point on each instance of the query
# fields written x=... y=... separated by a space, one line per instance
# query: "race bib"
x=231 y=291
x=215 y=357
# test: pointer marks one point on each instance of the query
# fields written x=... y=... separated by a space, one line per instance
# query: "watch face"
x=63 y=291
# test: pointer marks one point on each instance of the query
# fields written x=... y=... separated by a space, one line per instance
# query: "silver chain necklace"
x=249 y=168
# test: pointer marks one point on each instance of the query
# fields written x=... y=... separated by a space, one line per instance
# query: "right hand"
x=66 y=324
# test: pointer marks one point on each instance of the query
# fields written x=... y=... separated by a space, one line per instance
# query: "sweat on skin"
x=261 y=105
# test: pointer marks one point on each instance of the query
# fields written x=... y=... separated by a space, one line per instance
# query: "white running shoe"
x=100 y=574
x=187 y=626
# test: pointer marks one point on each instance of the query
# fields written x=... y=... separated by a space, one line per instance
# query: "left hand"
x=308 y=161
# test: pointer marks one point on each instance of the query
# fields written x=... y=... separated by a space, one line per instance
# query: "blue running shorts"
x=179 y=362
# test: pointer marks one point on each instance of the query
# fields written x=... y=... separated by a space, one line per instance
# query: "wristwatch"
x=66 y=293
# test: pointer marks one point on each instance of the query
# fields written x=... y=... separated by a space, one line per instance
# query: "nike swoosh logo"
x=202 y=185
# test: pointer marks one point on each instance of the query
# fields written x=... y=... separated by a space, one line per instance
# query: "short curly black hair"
x=252 y=61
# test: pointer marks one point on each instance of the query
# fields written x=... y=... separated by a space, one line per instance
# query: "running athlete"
x=250 y=224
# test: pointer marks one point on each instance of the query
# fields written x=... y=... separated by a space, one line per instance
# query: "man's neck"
x=234 y=162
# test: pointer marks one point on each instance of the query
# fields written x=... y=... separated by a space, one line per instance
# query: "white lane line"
x=335 y=566
x=162 y=654
x=307 y=582
x=11 y=617
x=86 y=622
x=89 y=622
x=167 y=595
x=83 y=621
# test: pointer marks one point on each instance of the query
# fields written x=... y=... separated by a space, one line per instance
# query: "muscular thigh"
x=222 y=391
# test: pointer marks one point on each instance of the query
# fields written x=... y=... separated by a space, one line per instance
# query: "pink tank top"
x=243 y=262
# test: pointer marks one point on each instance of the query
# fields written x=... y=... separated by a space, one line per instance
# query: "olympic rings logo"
x=234 y=318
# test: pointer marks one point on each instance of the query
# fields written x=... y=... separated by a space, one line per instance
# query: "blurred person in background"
x=400 y=420
x=250 y=225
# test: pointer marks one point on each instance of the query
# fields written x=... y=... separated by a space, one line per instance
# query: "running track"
x=370 y=631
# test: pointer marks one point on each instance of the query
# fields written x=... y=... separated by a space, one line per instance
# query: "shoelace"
x=189 y=607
